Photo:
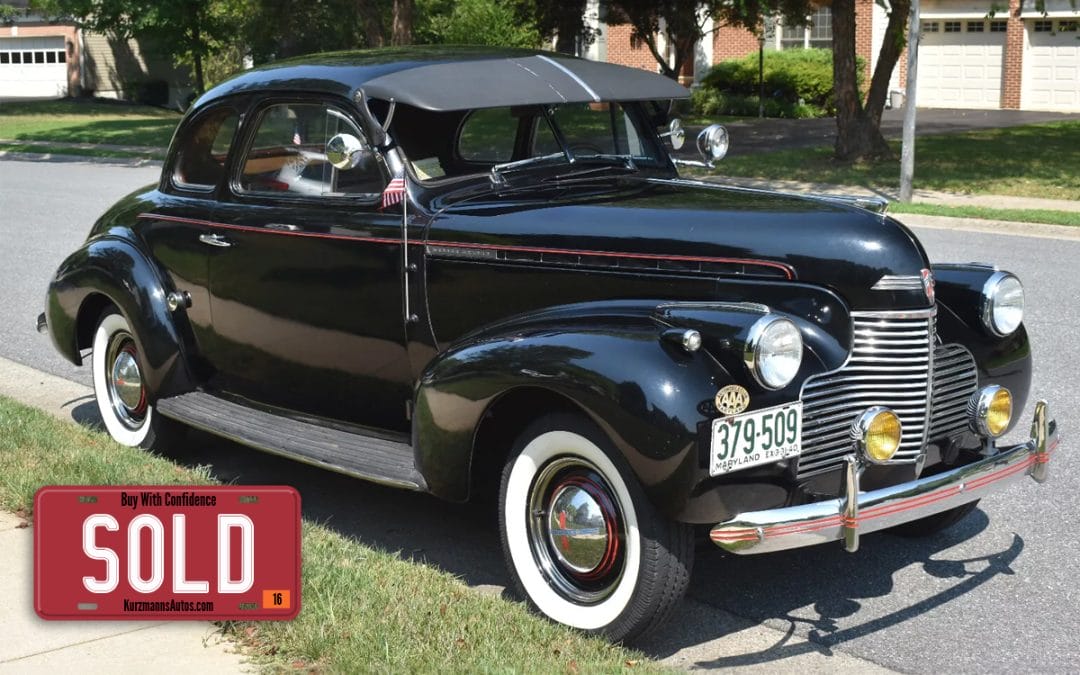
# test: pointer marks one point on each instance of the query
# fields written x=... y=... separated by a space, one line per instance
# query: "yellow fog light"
x=877 y=434
x=991 y=411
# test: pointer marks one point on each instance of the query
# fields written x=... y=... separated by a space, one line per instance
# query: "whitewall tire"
x=583 y=544
x=119 y=386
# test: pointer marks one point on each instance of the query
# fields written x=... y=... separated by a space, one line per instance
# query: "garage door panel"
x=963 y=69
x=1051 y=75
x=33 y=67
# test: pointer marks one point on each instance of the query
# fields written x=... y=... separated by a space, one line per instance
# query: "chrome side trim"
x=845 y=519
x=898 y=282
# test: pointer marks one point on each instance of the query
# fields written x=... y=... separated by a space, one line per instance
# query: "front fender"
x=1000 y=360
x=654 y=400
x=113 y=267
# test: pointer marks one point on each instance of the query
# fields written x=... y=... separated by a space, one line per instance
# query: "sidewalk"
x=33 y=645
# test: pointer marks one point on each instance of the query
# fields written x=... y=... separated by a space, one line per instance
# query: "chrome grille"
x=890 y=365
x=955 y=381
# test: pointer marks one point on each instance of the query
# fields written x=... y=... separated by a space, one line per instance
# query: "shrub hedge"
x=798 y=83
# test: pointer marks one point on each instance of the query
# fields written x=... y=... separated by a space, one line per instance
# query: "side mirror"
x=675 y=133
x=345 y=151
x=712 y=143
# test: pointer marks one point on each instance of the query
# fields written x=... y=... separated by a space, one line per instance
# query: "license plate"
x=755 y=438
x=167 y=552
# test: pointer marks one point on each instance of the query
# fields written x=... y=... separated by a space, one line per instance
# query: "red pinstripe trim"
x=788 y=270
x=825 y=522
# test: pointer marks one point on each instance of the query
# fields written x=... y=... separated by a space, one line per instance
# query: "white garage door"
x=960 y=63
x=33 y=67
x=1052 y=65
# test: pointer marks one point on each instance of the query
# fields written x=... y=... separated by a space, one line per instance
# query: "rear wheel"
x=583 y=544
x=119 y=385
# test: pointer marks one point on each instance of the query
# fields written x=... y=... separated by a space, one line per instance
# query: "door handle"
x=215 y=240
x=282 y=227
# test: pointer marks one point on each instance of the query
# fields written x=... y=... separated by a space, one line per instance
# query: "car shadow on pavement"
x=818 y=592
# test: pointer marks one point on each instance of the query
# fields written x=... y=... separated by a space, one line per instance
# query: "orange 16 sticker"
x=167 y=552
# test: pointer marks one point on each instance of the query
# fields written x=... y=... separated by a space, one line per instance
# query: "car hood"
x=754 y=232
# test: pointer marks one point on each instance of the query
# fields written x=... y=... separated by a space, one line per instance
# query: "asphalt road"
x=999 y=592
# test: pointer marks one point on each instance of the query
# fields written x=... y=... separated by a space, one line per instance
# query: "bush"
x=710 y=103
x=799 y=81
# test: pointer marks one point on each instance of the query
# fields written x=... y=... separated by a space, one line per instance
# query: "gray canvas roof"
x=457 y=78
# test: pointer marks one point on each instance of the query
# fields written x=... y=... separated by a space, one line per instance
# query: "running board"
x=375 y=459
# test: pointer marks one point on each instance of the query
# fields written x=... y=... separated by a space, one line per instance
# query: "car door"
x=306 y=275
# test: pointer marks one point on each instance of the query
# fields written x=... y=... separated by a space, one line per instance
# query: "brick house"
x=40 y=58
x=1018 y=59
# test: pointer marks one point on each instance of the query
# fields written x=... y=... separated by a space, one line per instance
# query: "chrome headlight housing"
x=774 y=351
x=1002 y=304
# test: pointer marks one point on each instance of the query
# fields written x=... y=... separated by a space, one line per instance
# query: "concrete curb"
x=991 y=226
x=84 y=159
x=31 y=644
x=108 y=647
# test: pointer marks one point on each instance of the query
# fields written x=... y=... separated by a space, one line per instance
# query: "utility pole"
x=907 y=152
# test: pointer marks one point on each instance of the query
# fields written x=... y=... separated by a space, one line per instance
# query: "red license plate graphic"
x=167 y=552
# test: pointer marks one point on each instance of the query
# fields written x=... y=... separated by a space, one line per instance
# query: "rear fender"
x=113 y=269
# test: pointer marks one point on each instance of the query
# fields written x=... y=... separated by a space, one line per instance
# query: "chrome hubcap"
x=576 y=531
x=126 y=394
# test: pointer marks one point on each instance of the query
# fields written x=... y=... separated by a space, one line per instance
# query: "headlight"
x=1003 y=303
x=990 y=411
x=877 y=433
x=774 y=351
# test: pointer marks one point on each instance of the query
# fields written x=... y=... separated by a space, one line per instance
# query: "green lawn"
x=1039 y=160
x=1071 y=218
x=75 y=121
x=363 y=609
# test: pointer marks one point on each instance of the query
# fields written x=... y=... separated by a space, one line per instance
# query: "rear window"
x=201 y=162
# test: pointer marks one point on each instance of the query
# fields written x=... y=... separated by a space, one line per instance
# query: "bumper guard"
x=854 y=512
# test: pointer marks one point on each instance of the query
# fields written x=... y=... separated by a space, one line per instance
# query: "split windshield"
x=591 y=133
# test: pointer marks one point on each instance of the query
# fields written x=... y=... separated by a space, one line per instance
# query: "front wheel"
x=119 y=386
x=583 y=544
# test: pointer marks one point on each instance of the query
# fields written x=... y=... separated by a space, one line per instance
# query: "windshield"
x=506 y=139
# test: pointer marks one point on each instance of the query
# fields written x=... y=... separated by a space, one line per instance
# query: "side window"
x=488 y=135
x=288 y=154
x=201 y=162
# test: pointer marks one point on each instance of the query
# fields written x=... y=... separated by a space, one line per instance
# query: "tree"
x=561 y=20
x=402 y=33
x=183 y=29
x=476 y=22
x=682 y=22
x=858 y=124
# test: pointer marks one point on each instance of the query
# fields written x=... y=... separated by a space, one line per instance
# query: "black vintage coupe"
x=469 y=271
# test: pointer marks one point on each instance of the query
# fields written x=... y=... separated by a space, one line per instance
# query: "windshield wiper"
x=625 y=162
x=497 y=171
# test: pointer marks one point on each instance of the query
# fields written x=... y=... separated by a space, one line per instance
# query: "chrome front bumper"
x=855 y=512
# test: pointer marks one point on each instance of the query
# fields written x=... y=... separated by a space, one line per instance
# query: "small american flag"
x=296 y=135
x=394 y=192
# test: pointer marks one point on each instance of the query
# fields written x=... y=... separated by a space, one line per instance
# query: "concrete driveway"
x=752 y=135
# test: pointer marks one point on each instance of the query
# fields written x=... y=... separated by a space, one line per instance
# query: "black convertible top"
x=455 y=78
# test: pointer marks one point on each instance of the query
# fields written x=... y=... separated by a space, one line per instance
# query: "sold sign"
x=167 y=552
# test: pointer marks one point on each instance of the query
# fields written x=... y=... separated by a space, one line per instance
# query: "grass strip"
x=1037 y=160
x=364 y=610
x=1041 y=216
x=79 y=121
x=80 y=152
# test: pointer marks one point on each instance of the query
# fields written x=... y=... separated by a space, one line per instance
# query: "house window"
x=998 y=26
x=1068 y=26
x=39 y=57
x=1044 y=26
x=4 y=58
x=16 y=57
x=952 y=26
x=975 y=26
x=816 y=34
x=931 y=26
x=50 y=57
x=61 y=56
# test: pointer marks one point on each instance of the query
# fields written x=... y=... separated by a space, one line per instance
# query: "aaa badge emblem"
x=732 y=399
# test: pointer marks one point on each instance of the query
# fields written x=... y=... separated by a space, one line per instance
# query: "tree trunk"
x=858 y=135
x=403 y=22
x=197 y=49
